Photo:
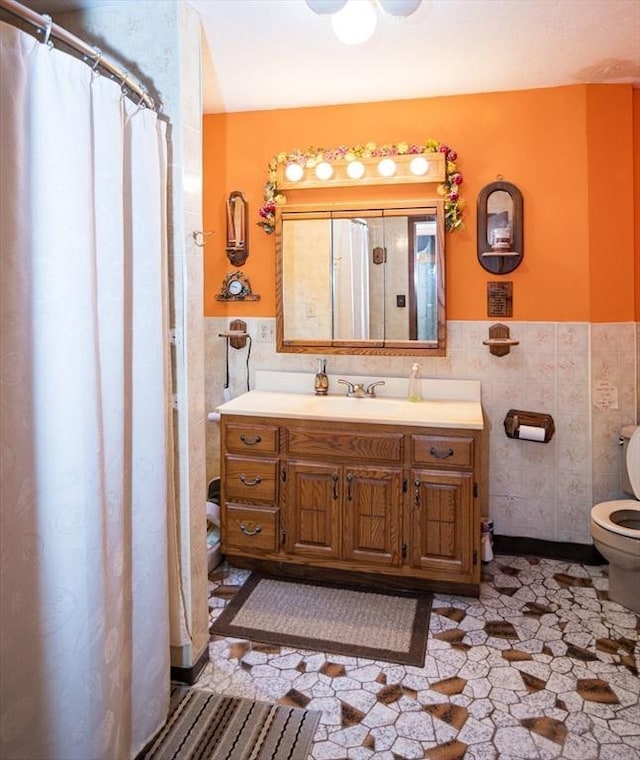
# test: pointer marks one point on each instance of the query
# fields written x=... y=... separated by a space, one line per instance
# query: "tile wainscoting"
x=585 y=375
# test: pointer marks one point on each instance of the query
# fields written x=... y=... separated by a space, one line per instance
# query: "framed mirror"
x=361 y=279
x=500 y=237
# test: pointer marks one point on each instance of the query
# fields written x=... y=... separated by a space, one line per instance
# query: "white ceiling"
x=265 y=54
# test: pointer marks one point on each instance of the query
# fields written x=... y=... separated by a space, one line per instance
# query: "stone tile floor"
x=541 y=666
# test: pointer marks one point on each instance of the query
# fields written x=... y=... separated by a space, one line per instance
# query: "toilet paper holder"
x=529 y=426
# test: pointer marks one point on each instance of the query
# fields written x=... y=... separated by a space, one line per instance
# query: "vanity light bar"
x=377 y=170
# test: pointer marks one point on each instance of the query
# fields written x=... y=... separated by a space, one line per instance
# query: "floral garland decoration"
x=453 y=204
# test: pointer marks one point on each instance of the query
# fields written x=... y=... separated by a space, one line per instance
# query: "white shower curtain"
x=84 y=650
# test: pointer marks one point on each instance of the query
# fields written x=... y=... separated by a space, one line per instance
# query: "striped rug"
x=206 y=726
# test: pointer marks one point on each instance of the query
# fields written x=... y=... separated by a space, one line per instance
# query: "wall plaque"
x=499 y=299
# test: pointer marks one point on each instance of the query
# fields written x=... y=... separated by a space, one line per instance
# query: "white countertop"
x=441 y=412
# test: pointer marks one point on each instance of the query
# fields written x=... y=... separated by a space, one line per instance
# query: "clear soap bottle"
x=415 y=385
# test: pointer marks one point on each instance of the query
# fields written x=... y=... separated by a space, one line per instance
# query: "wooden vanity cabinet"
x=312 y=507
x=444 y=489
x=343 y=512
x=343 y=492
x=394 y=504
x=249 y=480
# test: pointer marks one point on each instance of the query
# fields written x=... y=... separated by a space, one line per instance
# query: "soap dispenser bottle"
x=415 y=393
x=321 y=382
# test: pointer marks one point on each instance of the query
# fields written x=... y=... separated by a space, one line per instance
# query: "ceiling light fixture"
x=399 y=7
x=354 y=21
x=326 y=6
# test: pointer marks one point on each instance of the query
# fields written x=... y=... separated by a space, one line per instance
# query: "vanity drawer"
x=250 y=479
x=345 y=444
x=251 y=438
x=443 y=451
x=250 y=529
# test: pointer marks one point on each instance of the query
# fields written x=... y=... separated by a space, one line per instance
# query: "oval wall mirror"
x=500 y=235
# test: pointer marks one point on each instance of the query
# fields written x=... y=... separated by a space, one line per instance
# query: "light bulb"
x=294 y=172
x=355 y=169
x=326 y=6
x=400 y=7
x=324 y=170
x=419 y=166
x=387 y=167
x=355 y=23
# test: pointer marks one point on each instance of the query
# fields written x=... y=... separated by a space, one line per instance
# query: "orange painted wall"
x=610 y=152
x=557 y=145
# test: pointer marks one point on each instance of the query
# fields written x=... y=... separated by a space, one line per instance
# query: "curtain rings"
x=124 y=83
x=142 y=103
x=48 y=25
x=96 y=63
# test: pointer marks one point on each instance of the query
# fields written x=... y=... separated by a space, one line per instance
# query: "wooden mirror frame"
x=501 y=259
x=363 y=347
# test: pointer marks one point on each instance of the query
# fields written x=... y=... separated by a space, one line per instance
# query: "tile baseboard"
x=563 y=550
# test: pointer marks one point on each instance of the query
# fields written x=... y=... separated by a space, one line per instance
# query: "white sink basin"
x=439 y=413
x=360 y=407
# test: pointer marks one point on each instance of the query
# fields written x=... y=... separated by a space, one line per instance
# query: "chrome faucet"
x=371 y=388
x=357 y=390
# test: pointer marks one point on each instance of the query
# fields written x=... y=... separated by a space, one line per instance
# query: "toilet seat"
x=601 y=515
x=633 y=457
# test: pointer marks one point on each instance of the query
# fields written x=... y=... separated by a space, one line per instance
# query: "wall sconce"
x=237 y=244
x=399 y=169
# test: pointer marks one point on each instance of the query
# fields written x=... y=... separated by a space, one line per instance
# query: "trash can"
x=486 y=539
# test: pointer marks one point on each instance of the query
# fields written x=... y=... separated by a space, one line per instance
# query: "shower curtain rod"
x=94 y=54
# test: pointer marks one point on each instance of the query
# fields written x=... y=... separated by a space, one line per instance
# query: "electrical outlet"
x=266 y=331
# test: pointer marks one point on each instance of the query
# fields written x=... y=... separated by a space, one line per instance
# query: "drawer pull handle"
x=249 y=532
x=439 y=454
x=250 y=441
x=251 y=481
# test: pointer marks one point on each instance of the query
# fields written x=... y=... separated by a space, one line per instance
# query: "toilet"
x=615 y=528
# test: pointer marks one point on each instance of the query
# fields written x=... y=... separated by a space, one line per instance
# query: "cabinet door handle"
x=251 y=441
x=248 y=531
x=441 y=454
x=334 y=477
x=251 y=481
x=349 y=482
x=416 y=483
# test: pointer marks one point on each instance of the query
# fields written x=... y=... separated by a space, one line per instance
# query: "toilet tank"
x=629 y=461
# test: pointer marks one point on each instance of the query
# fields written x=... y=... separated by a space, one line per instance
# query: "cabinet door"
x=313 y=497
x=440 y=522
x=372 y=514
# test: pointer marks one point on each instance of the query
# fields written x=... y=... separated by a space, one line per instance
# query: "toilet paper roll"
x=530 y=433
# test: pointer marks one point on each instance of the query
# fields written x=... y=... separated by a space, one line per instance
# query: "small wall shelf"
x=499 y=340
